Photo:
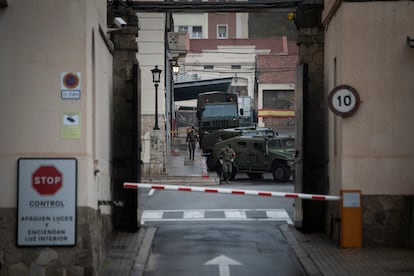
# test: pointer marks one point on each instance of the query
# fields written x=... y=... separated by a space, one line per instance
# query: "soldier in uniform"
x=226 y=157
x=192 y=138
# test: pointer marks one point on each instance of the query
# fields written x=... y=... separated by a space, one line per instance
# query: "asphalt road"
x=218 y=234
x=219 y=248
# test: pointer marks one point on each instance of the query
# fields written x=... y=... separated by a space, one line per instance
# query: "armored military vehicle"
x=210 y=140
x=256 y=155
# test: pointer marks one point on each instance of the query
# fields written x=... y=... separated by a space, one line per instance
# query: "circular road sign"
x=70 y=80
x=343 y=100
x=47 y=180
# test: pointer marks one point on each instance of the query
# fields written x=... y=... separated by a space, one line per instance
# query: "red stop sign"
x=47 y=180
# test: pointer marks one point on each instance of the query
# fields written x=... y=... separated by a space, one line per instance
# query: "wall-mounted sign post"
x=46 y=214
x=351 y=219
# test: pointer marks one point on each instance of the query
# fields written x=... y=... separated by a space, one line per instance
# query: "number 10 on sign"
x=343 y=100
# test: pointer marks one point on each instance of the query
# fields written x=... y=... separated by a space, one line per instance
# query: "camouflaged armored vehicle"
x=209 y=141
x=259 y=154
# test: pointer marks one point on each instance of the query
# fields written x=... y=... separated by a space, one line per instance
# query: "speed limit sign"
x=343 y=100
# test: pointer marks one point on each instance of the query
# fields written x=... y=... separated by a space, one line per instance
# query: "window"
x=183 y=29
x=208 y=67
x=221 y=31
x=258 y=146
x=242 y=144
x=278 y=99
x=236 y=67
x=197 y=32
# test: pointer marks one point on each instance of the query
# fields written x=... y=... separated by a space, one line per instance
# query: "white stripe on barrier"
x=128 y=185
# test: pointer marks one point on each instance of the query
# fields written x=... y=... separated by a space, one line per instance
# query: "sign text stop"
x=47 y=180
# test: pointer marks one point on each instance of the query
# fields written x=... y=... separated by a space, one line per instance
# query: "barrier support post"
x=351 y=219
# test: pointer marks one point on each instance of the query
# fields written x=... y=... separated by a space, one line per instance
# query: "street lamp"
x=156 y=73
x=175 y=67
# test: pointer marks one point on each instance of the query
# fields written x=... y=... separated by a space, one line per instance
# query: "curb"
x=144 y=251
x=305 y=260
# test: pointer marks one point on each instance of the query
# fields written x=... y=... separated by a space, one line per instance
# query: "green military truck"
x=216 y=110
x=256 y=155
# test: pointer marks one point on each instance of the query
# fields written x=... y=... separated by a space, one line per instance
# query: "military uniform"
x=226 y=158
x=191 y=139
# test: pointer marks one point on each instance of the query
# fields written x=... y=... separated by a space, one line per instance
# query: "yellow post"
x=351 y=219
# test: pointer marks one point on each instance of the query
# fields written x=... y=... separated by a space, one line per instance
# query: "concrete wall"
x=365 y=47
x=40 y=41
x=151 y=49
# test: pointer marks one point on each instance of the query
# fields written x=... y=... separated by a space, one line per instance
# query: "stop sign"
x=47 y=180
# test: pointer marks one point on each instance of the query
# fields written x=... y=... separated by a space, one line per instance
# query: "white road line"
x=151 y=192
x=229 y=215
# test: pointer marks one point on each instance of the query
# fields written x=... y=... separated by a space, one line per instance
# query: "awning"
x=190 y=90
x=276 y=113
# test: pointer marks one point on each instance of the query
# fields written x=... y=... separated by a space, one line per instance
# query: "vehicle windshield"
x=211 y=111
x=286 y=143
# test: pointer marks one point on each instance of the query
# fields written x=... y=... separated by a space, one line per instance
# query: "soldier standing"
x=226 y=158
x=191 y=139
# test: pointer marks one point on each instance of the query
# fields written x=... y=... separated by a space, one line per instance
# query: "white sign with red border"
x=46 y=214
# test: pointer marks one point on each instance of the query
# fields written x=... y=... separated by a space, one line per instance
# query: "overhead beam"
x=208 y=7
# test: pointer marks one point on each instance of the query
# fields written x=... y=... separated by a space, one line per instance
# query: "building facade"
x=367 y=47
x=56 y=105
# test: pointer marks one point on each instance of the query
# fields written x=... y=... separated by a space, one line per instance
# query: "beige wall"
x=41 y=40
x=151 y=52
x=372 y=150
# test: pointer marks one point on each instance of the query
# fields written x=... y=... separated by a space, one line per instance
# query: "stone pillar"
x=314 y=152
x=157 y=153
x=126 y=136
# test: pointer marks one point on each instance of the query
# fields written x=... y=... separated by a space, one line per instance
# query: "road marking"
x=223 y=263
x=151 y=192
x=216 y=215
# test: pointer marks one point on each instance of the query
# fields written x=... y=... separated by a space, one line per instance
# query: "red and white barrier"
x=230 y=191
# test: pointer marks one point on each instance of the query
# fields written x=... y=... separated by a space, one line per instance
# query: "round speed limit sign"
x=343 y=100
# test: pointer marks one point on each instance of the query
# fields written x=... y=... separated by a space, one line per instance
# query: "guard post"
x=351 y=219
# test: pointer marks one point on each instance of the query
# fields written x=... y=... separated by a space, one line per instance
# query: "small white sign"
x=351 y=200
x=70 y=94
x=70 y=119
x=46 y=213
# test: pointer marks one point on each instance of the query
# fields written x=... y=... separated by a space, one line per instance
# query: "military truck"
x=216 y=110
x=210 y=139
x=256 y=155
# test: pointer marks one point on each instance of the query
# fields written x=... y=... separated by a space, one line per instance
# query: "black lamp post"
x=156 y=73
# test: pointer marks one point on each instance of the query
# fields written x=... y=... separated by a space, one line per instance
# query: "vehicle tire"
x=211 y=165
x=255 y=175
x=281 y=172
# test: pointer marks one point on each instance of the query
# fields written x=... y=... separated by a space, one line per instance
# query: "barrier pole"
x=128 y=185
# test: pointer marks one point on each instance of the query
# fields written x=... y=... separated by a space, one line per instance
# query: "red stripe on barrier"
x=265 y=194
x=318 y=197
x=211 y=191
x=238 y=192
x=157 y=187
x=292 y=195
x=130 y=186
x=184 y=189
